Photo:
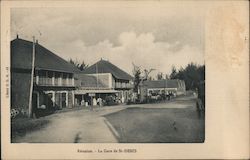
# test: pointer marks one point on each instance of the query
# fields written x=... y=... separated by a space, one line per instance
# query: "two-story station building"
x=53 y=80
x=103 y=79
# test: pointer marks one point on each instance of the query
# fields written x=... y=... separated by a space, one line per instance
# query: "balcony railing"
x=54 y=82
x=123 y=85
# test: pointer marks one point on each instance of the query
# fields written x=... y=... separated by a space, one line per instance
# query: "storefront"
x=95 y=97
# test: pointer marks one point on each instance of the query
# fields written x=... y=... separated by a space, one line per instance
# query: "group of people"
x=102 y=101
x=95 y=102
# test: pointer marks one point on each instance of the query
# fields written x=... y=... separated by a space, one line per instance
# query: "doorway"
x=35 y=102
x=63 y=100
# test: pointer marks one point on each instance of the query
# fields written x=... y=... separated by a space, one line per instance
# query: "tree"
x=147 y=72
x=193 y=75
x=180 y=74
x=159 y=76
x=137 y=77
x=81 y=66
x=201 y=71
x=173 y=73
x=75 y=63
x=166 y=76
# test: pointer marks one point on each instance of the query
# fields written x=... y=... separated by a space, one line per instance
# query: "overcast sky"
x=156 y=36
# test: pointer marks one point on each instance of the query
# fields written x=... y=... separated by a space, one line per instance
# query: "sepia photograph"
x=124 y=79
x=120 y=77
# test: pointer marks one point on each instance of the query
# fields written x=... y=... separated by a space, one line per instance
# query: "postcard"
x=124 y=79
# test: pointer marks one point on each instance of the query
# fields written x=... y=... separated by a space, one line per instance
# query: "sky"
x=150 y=36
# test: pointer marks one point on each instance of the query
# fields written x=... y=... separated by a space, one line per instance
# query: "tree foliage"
x=173 y=73
x=166 y=76
x=146 y=73
x=137 y=77
x=193 y=75
x=159 y=76
x=140 y=75
x=81 y=66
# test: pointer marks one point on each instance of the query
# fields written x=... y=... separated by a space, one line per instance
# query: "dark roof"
x=172 y=83
x=103 y=66
x=21 y=57
x=88 y=81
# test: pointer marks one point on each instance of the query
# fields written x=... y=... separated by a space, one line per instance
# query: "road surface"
x=86 y=126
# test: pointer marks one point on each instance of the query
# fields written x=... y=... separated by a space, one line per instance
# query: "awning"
x=171 y=89
x=95 y=91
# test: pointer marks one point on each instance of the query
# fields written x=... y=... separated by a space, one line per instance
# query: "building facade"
x=53 y=79
x=154 y=89
x=102 y=80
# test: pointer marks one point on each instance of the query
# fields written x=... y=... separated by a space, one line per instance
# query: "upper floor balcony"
x=123 y=85
x=50 y=78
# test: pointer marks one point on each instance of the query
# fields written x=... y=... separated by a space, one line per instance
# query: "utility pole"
x=32 y=77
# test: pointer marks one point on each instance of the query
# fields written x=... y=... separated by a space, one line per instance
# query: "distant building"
x=53 y=78
x=103 y=79
x=161 y=87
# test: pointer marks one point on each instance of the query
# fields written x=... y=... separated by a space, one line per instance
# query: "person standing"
x=94 y=101
x=123 y=99
x=99 y=101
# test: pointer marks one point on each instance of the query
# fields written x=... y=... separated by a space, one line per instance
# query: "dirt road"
x=85 y=125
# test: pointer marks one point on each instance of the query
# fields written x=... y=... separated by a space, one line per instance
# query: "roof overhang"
x=95 y=91
x=162 y=88
x=55 y=70
x=47 y=87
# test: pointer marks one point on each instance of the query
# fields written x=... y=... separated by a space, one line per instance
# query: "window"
x=42 y=77
x=64 y=79
x=57 y=76
x=49 y=78
x=71 y=79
